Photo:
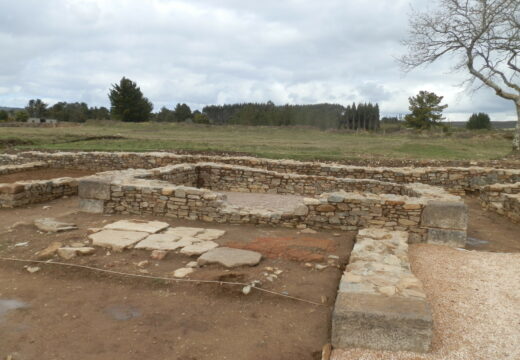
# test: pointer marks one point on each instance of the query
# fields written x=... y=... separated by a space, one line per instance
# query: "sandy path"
x=475 y=298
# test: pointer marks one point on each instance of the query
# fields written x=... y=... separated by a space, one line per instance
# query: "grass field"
x=270 y=142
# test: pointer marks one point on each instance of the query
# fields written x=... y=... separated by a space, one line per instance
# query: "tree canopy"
x=128 y=103
x=484 y=35
x=479 y=121
x=426 y=110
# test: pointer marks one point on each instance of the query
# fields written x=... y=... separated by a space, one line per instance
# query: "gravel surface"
x=264 y=201
x=475 y=299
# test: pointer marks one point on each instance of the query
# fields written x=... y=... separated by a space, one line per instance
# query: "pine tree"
x=128 y=103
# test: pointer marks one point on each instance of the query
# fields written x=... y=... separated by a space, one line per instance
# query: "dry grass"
x=271 y=142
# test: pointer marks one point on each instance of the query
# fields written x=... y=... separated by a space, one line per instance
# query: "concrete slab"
x=151 y=227
x=116 y=239
x=230 y=258
x=160 y=242
x=199 y=248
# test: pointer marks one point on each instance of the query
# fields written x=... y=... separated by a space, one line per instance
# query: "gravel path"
x=264 y=201
x=475 y=298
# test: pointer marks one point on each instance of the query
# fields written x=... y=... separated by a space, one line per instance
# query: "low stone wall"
x=455 y=179
x=503 y=199
x=380 y=303
x=424 y=211
x=31 y=192
x=15 y=168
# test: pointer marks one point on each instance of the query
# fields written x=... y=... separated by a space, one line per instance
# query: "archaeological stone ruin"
x=380 y=303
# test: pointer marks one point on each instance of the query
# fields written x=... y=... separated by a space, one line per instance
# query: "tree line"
x=128 y=104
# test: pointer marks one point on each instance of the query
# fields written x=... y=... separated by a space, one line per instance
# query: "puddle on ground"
x=122 y=312
x=471 y=241
x=10 y=304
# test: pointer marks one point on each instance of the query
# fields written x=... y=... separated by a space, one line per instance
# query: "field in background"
x=270 y=142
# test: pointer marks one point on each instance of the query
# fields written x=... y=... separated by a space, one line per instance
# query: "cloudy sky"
x=213 y=52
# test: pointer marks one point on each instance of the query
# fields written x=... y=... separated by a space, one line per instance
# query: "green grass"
x=270 y=142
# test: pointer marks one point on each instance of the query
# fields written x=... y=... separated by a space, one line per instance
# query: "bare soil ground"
x=74 y=313
x=489 y=231
x=43 y=174
x=475 y=298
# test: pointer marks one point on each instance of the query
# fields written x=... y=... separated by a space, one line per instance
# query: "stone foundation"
x=455 y=179
x=381 y=304
x=503 y=199
x=172 y=191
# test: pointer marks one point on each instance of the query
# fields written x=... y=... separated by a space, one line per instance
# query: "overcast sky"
x=213 y=52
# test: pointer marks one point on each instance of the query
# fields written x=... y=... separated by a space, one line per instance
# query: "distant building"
x=41 y=121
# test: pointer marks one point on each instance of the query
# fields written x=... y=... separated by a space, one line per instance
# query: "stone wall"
x=380 y=303
x=456 y=179
x=31 y=192
x=146 y=192
x=503 y=199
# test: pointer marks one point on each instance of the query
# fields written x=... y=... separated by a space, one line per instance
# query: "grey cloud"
x=204 y=52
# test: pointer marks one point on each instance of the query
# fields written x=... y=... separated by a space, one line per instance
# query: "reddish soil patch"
x=290 y=248
x=43 y=174
x=76 y=313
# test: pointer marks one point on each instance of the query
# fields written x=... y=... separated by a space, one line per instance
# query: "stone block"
x=151 y=227
x=91 y=206
x=445 y=215
x=230 y=257
x=116 y=240
x=94 y=188
x=381 y=322
x=455 y=238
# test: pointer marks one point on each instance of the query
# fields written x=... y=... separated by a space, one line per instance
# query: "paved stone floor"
x=264 y=201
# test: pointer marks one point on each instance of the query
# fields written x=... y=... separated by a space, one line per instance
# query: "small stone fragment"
x=52 y=225
x=33 y=269
x=309 y=231
x=67 y=253
x=320 y=266
x=182 y=272
x=192 y=264
x=246 y=290
x=49 y=251
x=158 y=254
x=143 y=264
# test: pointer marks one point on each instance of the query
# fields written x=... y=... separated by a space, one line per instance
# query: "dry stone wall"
x=503 y=199
x=455 y=179
x=365 y=205
x=30 y=192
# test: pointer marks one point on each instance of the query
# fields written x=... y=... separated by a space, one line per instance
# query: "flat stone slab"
x=211 y=234
x=182 y=231
x=229 y=257
x=116 y=239
x=150 y=227
x=161 y=242
x=199 y=248
x=52 y=225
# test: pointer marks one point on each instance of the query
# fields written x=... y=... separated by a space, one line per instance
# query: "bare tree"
x=484 y=35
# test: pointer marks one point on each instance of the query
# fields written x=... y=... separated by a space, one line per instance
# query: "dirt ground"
x=489 y=231
x=67 y=313
x=43 y=174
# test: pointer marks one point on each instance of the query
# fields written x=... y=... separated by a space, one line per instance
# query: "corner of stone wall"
x=446 y=223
